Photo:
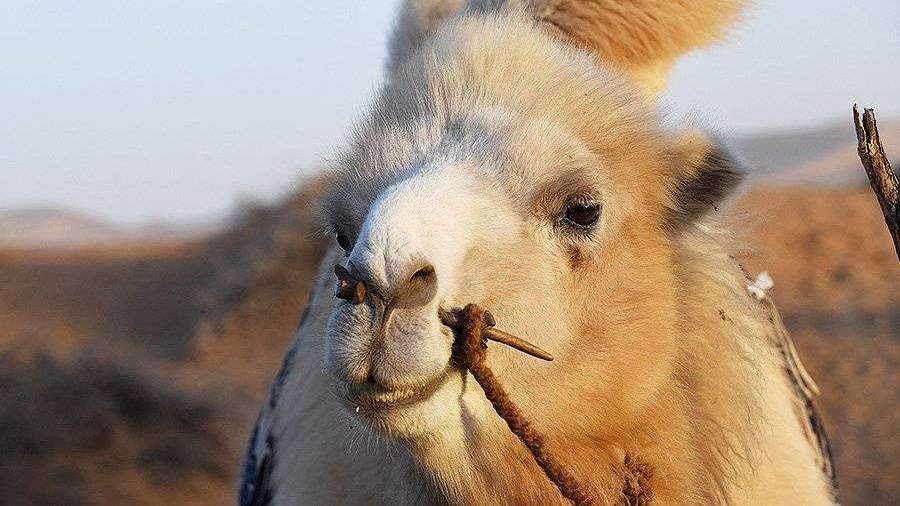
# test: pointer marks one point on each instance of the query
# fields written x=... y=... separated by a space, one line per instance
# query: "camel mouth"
x=396 y=377
x=370 y=398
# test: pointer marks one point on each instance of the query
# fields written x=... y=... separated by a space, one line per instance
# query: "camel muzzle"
x=474 y=327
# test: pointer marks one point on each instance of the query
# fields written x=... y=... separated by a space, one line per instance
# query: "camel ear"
x=704 y=174
x=416 y=20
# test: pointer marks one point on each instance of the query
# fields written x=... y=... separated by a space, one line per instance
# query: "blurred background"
x=159 y=167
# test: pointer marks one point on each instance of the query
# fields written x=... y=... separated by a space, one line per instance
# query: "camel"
x=515 y=158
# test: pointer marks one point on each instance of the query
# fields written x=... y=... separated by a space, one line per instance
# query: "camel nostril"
x=424 y=273
x=419 y=289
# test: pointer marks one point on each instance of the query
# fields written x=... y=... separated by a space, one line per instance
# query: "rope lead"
x=469 y=351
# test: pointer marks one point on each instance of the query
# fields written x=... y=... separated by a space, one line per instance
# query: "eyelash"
x=573 y=233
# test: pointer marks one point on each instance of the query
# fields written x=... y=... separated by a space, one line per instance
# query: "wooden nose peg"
x=452 y=319
x=349 y=288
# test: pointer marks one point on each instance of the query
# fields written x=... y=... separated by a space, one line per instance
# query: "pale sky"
x=135 y=110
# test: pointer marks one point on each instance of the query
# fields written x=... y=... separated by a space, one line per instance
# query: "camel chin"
x=406 y=414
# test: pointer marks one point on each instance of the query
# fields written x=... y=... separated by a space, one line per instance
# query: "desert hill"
x=51 y=226
x=131 y=373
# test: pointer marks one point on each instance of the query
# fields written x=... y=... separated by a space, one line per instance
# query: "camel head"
x=501 y=164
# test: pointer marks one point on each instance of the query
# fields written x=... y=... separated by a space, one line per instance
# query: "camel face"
x=534 y=187
x=454 y=229
x=503 y=164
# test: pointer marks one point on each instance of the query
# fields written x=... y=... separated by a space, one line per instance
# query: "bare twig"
x=881 y=175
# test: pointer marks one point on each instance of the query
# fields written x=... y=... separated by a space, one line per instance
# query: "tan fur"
x=643 y=37
x=653 y=391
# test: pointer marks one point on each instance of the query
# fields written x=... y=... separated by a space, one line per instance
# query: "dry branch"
x=881 y=175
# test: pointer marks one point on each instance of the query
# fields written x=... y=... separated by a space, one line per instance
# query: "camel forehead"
x=507 y=102
x=496 y=153
x=501 y=144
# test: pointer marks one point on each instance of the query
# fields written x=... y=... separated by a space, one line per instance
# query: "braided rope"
x=469 y=351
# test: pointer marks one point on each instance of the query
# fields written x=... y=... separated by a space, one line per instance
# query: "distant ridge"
x=52 y=227
x=823 y=155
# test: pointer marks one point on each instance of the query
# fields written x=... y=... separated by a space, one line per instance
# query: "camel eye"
x=582 y=214
x=344 y=242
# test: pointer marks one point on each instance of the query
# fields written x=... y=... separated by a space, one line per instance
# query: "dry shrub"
x=91 y=431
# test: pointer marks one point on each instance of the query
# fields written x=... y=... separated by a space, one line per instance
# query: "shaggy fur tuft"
x=642 y=37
